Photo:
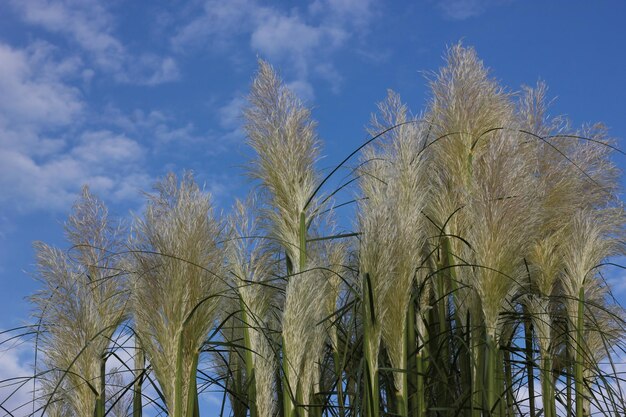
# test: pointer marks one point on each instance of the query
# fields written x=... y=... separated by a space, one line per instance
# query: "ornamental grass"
x=463 y=274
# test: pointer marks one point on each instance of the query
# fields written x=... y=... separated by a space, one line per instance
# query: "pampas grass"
x=80 y=306
x=176 y=283
x=482 y=233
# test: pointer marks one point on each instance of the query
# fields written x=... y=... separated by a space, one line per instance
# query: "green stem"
x=478 y=376
x=490 y=370
x=192 y=391
x=402 y=395
x=338 y=374
x=279 y=392
x=411 y=353
x=101 y=398
x=421 y=361
x=500 y=394
x=443 y=338
x=178 y=382
x=547 y=390
x=470 y=368
x=250 y=380
x=568 y=379
x=371 y=374
x=528 y=339
x=240 y=408
x=140 y=363
x=578 y=365
x=508 y=383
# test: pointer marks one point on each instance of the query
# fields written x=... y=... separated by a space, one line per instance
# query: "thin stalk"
x=192 y=391
x=390 y=397
x=500 y=393
x=479 y=350
x=178 y=382
x=465 y=363
x=508 y=383
x=101 y=399
x=547 y=390
x=421 y=362
x=299 y=401
x=316 y=408
x=339 y=374
x=411 y=351
x=453 y=335
x=578 y=365
x=251 y=383
x=372 y=387
x=568 y=379
x=470 y=368
x=401 y=396
x=140 y=363
x=462 y=332
x=239 y=408
x=443 y=285
x=290 y=407
x=491 y=357
x=279 y=392
x=528 y=341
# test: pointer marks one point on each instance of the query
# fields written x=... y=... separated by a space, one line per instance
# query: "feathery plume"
x=177 y=283
x=82 y=302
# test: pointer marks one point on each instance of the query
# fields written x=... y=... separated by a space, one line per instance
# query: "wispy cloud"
x=104 y=160
x=230 y=115
x=90 y=26
x=33 y=88
x=304 y=41
x=48 y=147
x=466 y=9
x=156 y=125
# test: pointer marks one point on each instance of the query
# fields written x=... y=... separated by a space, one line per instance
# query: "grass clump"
x=481 y=232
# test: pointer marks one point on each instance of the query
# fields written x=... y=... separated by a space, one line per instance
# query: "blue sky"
x=116 y=93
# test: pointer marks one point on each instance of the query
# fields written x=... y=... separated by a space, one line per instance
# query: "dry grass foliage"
x=474 y=272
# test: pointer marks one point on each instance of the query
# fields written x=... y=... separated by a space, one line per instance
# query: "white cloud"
x=32 y=87
x=166 y=71
x=466 y=9
x=303 y=89
x=230 y=120
x=106 y=148
x=88 y=24
x=357 y=12
x=47 y=148
x=304 y=41
x=290 y=39
x=101 y=159
x=230 y=115
x=217 y=23
x=158 y=127
x=53 y=139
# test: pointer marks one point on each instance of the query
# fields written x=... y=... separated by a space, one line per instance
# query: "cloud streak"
x=303 y=40
x=89 y=25
x=48 y=147
x=466 y=9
